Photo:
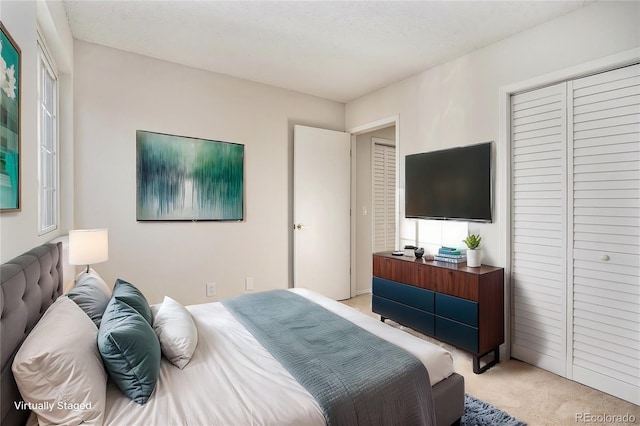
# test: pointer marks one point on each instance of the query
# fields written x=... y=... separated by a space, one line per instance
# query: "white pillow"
x=59 y=370
x=176 y=331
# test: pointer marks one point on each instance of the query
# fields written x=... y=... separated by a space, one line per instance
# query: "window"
x=47 y=142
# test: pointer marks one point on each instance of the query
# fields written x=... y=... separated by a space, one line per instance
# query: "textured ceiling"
x=339 y=50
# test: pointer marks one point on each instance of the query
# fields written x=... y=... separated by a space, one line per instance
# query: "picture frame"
x=10 y=96
x=181 y=178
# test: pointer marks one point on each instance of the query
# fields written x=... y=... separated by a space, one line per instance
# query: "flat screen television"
x=450 y=184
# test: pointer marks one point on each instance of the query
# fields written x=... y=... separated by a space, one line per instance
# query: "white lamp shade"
x=88 y=246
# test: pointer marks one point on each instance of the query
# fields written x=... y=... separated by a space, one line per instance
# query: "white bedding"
x=233 y=380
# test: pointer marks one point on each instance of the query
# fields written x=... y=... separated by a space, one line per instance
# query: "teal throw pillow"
x=130 y=350
x=129 y=294
x=91 y=294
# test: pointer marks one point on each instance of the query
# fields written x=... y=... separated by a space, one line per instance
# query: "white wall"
x=117 y=93
x=19 y=230
x=457 y=103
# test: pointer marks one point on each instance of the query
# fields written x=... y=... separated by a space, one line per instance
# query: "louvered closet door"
x=606 y=231
x=384 y=197
x=539 y=227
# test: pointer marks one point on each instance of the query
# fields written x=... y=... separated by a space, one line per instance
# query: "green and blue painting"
x=9 y=123
x=183 y=178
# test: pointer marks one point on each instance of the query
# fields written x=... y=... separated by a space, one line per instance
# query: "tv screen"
x=451 y=184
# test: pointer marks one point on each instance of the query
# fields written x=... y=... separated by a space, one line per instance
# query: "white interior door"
x=321 y=211
x=384 y=194
x=575 y=257
x=606 y=231
x=538 y=226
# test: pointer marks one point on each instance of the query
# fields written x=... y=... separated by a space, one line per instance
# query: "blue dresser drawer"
x=456 y=333
x=416 y=297
x=455 y=308
x=403 y=314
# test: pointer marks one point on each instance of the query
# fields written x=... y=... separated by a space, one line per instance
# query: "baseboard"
x=365 y=291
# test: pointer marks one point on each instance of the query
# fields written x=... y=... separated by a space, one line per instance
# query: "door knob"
x=299 y=227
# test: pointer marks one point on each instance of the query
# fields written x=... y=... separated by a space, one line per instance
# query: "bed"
x=241 y=382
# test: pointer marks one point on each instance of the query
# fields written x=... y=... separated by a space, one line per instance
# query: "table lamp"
x=88 y=246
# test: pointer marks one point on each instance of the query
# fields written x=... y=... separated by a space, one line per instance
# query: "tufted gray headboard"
x=30 y=284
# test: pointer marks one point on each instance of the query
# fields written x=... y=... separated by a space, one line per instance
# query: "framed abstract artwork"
x=188 y=179
x=10 y=69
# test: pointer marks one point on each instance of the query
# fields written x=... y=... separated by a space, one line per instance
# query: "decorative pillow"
x=176 y=331
x=130 y=350
x=92 y=294
x=154 y=310
x=60 y=374
x=133 y=297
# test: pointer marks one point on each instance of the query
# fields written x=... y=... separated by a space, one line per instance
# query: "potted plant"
x=474 y=254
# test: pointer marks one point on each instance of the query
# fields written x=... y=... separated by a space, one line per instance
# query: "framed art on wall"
x=10 y=68
x=184 y=178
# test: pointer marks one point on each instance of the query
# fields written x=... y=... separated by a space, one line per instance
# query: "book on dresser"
x=451 y=302
x=449 y=258
x=451 y=251
x=451 y=255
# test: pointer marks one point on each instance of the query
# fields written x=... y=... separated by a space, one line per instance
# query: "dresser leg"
x=476 y=361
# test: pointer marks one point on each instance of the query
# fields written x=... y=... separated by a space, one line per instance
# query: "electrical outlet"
x=211 y=289
x=248 y=284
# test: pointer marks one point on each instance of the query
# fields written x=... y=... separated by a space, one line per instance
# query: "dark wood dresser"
x=456 y=304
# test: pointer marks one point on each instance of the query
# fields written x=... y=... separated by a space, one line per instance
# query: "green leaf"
x=472 y=241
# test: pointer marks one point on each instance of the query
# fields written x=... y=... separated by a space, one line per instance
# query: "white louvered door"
x=384 y=196
x=606 y=231
x=575 y=225
x=538 y=258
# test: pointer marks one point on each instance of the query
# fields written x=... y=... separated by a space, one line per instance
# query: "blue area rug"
x=479 y=413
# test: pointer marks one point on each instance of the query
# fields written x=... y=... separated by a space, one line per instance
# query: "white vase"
x=474 y=258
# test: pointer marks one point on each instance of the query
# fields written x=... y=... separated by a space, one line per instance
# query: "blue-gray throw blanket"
x=356 y=377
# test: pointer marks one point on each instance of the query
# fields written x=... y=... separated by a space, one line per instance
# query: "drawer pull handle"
x=605 y=258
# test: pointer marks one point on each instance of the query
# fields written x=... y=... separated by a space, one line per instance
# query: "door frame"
x=503 y=195
x=355 y=131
